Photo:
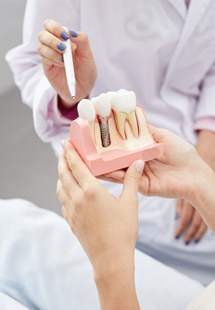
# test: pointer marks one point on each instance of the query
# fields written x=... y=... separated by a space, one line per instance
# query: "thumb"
x=131 y=181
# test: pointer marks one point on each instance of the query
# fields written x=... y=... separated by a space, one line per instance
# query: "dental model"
x=124 y=106
x=86 y=111
x=111 y=132
x=102 y=105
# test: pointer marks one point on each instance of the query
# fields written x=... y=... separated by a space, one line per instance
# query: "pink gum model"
x=85 y=136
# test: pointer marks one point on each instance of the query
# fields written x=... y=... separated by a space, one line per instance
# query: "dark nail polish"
x=177 y=216
x=73 y=33
x=196 y=241
x=64 y=36
x=177 y=237
x=187 y=242
x=61 y=47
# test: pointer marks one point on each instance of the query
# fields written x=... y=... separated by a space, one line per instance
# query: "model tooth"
x=124 y=106
x=111 y=94
x=103 y=108
x=102 y=105
x=86 y=110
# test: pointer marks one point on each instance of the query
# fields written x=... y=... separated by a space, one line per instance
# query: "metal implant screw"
x=105 y=132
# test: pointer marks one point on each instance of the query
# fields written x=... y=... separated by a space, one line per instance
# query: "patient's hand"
x=105 y=225
x=51 y=48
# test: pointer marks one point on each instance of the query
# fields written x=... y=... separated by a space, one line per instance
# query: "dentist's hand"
x=171 y=175
x=190 y=220
x=106 y=226
x=51 y=47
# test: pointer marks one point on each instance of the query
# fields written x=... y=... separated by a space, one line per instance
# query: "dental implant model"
x=124 y=107
x=103 y=108
x=86 y=110
x=111 y=132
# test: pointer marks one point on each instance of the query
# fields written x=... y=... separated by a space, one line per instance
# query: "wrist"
x=117 y=290
x=195 y=185
x=206 y=138
x=106 y=270
x=203 y=196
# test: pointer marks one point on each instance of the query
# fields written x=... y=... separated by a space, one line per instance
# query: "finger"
x=184 y=220
x=131 y=181
x=51 y=41
x=49 y=53
x=200 y=233
x=104 y=178
x=61 y=194
x=80 y=39
x=179 y=206
x=116 y=175
x=56 y=29
x=79 y=170
x=157 y=133
x=49 y=62
x=65 y=213
x=193 y=228
x=66 y=177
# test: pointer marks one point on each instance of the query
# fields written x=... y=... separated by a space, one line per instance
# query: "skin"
x=53 y=66
x=101 y=222
x=190 y=225
x=190 y=222
x=107 y=226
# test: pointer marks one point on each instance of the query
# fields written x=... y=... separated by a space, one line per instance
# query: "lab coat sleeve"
x=205 y=112
x=26 y=66
x=205 y=300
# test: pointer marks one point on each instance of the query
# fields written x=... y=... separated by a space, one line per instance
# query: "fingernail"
x=61 y=46
x=187 y=242
x=64 y=36
x=139 y=165
x=177 y=216
x=196 y=240
x=73 y=33
x=62 y=59
x=177 y=237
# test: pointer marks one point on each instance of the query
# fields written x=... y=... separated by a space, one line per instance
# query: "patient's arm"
x=117 y=291
x=105 y=225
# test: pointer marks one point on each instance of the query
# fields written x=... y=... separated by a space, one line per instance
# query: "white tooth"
x=124 y=105
x=124 y=101
x=102 y=105
x=86 y=110
x=111 y=94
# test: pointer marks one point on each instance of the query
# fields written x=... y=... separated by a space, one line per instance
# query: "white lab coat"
x=162 y=52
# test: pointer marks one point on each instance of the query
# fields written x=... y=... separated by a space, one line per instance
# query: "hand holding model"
x=190 y=220
x=105 y=225
x=178 y=173
x=51 y=48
